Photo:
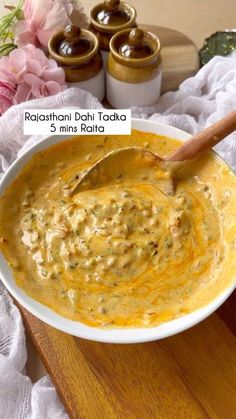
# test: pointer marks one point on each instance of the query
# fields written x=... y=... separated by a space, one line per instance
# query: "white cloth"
x=201 y=100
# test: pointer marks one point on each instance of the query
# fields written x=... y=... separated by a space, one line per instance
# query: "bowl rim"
x=117 y=335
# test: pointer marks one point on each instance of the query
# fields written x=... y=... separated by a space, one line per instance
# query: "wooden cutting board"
x=191 y=375
x=180 y=58
x=188 y=376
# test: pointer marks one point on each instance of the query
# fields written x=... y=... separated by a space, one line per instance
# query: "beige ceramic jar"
x=110 y=17
x=134 y=73
x=77 y=51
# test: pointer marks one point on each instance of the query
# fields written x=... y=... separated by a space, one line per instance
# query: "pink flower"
x=7 y=93
x=45 y=17
x=30 y=74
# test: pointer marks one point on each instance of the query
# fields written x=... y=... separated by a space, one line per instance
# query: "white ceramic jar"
x=76 y=50
x=134 y=74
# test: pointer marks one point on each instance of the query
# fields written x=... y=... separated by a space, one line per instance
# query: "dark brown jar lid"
x=73 y=46
x=135 y=45
x=75 y=43
x=112 y=14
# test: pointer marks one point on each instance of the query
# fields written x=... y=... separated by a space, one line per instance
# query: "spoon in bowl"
x=138 y=165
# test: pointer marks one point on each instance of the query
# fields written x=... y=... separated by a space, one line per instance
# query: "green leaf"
x=7 y=48
x=6 y=28
x=220 y=43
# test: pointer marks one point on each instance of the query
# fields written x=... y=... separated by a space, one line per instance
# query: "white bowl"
x=131 y=335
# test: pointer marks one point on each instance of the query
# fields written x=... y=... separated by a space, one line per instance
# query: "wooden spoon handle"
x=206 y=139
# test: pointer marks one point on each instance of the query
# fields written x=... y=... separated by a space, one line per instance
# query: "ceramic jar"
x=108 y=18
x=134 y=72
x=77 y=51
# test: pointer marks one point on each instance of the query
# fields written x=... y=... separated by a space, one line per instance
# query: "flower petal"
x=6 y=71
x=7 y=86
x=36 y=12
x=22 y=93
x=53 y=88
x=31 y=73
x=7 y=94
x=23 y=34
x=54 y=74
x=35 y=83
x=57 y=17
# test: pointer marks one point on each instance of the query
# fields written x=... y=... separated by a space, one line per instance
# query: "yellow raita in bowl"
x=123 y=256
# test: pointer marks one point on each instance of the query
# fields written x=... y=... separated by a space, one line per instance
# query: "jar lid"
x=73 y=45
x=135 y=47
x=112 y=16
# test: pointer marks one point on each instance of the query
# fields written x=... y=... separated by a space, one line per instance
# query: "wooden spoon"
x=137 y=165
